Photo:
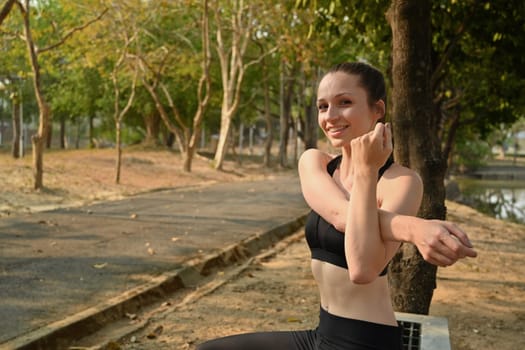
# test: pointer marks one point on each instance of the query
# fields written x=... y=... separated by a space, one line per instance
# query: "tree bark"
x=152 y=123
x=224 y=134
x=311 y=126
x=118 y=146
x=63 y=135
x=413 y=280
x=91 y=131
x=49 y=137
x=118 y=113
x=6 y=8
x=267 y=118
x=286 y=93
x=17 y=128
x=38 y=140
x=203 y=90
x=233 y=68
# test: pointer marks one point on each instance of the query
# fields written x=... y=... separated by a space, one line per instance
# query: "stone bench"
x=422 y=332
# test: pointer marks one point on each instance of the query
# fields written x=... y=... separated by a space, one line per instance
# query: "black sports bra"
x=325 y=241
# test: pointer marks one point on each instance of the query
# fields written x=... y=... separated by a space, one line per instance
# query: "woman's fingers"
x=374 y=147
x=444 y=243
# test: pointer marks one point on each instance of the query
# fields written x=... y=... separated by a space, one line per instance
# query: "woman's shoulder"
x=314 y=162
x=315 y=156
x=398 y=173
x=400 y=190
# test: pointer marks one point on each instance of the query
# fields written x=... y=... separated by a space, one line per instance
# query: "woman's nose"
x=332 y=112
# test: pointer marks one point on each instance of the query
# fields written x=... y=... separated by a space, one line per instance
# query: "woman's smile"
x=336 y=130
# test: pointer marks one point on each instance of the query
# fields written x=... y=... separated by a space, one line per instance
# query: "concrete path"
x=66 y=273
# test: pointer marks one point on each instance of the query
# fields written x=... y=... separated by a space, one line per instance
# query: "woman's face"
x=344 y=112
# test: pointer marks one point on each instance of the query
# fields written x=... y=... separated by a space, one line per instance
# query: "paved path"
x=68 y=271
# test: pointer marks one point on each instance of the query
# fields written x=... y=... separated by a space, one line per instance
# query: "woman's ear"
x=379 y=110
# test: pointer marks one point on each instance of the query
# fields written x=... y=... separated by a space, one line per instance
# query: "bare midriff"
x=341 y=297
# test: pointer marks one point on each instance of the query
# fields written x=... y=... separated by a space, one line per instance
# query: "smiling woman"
x=356 y=198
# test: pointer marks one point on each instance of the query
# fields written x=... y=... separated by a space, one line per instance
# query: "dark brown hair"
x=370 y=79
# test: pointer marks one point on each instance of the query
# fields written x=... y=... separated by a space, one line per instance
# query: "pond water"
x=500 y=199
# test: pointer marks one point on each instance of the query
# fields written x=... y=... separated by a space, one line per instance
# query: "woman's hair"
x=370 y=78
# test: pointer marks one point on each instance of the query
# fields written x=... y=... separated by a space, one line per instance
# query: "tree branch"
x=6 y=9
x=174 y=108
x=72 y=31
x=437 y=75
x=132 y=95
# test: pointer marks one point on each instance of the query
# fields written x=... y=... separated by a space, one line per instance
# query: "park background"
x=222 y=91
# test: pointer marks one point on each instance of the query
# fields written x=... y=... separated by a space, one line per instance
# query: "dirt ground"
x=483 y=298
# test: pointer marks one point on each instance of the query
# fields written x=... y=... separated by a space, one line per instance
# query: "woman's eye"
x=322 y=107
x=346 y=102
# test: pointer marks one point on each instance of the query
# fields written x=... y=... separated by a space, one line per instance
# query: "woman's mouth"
x=336 y=131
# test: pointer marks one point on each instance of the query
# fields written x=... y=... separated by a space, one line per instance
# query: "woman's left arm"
x=366 y=251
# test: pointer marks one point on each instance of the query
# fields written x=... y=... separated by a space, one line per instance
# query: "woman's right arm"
x=319 y=189
x=440 y=242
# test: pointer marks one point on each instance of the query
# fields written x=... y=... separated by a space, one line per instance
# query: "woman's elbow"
x=362 y=275
x=339 y=224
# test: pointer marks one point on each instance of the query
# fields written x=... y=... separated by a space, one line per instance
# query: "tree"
x=412 y=279
x=157 y=74
x=445 y=85
x=38 y=139
x=119 y=113
x=470 y=39
x=234 y=31
x=203 y=89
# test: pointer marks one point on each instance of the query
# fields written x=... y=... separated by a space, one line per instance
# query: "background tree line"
x=133 y=70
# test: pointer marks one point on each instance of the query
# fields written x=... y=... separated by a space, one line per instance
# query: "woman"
x=363 y=207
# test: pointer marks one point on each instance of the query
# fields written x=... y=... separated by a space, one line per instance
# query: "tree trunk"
x=311 y=126
x=449 y=144
x=413 y=280
x=63 y=140
x=78 y=134
x=6 y=8
x=223 y=141
x=267 y=118
x=91 y=132
x=241 y=142
x=49 y=136
x=203 y=91
x=286 y=92
x=17 y=128
x=231 y=59
x=120 y=114
x=38 y=140
x=169 y=139
x=118 y=145
x=187 y=160
x=152 y=123
x=179 y=133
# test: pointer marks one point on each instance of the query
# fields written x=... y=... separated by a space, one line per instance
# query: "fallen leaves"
x=150 y=250
x=155 y=333
x=131 y=316
x=100 y=266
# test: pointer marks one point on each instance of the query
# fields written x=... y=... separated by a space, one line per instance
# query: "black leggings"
x=333 y=333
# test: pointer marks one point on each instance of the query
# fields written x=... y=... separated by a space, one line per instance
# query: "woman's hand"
x=441 y=243
x=371 y=150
